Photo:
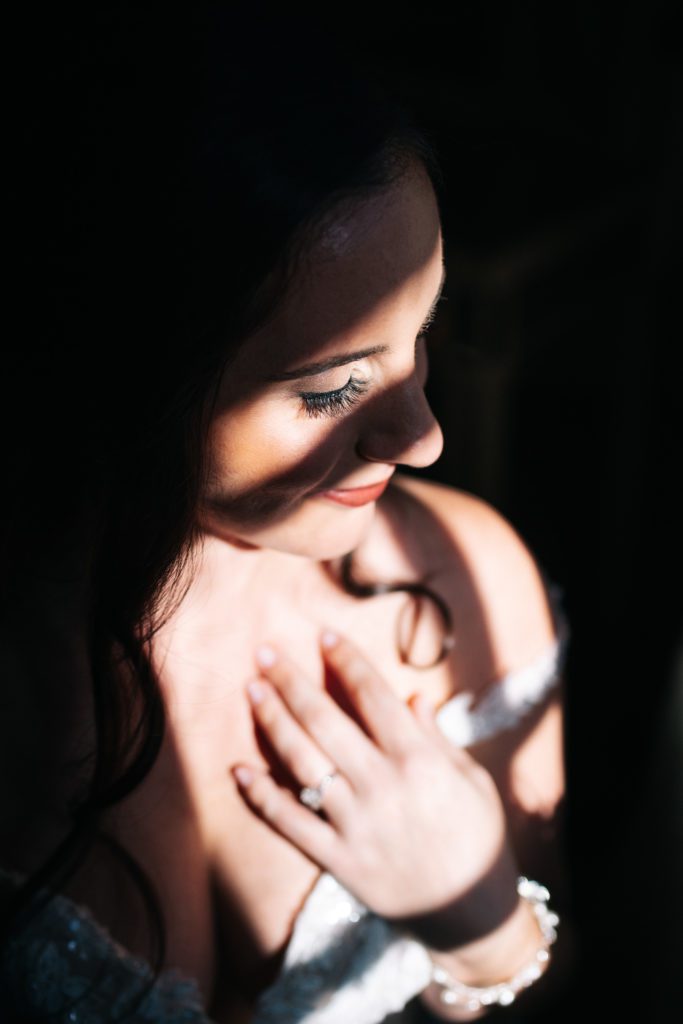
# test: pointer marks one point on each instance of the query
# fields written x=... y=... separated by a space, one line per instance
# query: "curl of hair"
x=419 y=591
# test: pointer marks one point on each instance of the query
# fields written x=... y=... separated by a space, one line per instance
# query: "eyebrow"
x=313 y=369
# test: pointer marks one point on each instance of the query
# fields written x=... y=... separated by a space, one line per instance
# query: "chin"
x=320 y=535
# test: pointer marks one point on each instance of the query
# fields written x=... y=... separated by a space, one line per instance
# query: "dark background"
x=553 y=373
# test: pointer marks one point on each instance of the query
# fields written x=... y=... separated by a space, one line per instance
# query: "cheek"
x=265 y=450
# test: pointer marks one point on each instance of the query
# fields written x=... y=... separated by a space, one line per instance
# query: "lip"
x=354 y=497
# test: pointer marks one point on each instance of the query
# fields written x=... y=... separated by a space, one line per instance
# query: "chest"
x=229 y=886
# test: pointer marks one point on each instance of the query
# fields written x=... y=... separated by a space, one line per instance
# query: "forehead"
x=371 y=259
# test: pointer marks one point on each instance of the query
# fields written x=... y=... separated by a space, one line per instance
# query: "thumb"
x=424 y=711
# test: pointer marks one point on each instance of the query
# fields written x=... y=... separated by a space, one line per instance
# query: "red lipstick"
x=356 y=496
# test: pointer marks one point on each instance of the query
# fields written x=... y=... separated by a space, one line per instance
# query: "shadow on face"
x=329 y=393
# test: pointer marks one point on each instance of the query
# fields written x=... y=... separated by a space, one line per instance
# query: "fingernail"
x=256 y=691
x=243 y=775
x=328 y=639
x=265 y=655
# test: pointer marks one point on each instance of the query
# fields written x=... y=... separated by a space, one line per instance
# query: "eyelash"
x=334 y=403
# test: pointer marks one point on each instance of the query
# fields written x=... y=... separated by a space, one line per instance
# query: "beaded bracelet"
x=454 y=992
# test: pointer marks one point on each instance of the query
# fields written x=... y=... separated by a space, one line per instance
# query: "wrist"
x=463 y=979
x=496 y=955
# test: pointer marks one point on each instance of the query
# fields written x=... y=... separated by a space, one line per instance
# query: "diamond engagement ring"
x=312 y=796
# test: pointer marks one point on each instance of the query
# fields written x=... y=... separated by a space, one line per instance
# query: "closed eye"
x=333 y=403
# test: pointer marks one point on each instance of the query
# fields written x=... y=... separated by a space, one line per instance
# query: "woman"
x=221 y=755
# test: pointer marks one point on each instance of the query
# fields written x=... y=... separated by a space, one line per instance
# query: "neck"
x=237 y=572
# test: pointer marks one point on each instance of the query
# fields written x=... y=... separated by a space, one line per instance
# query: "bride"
x=284 y=728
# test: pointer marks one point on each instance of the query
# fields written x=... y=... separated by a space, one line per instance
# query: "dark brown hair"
x=170 y=163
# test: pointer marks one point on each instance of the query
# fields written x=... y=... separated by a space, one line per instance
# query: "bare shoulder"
x=491 y=576
x=501 y=607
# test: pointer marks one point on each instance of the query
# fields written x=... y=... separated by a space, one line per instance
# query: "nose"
x=401 y=428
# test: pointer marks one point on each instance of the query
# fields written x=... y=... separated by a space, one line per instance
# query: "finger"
x=300 y=755
x=335 y=733
x=277 y=806
x=425 y=714
x=387 y=719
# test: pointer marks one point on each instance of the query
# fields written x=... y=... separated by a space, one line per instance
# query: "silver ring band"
x=312 y=796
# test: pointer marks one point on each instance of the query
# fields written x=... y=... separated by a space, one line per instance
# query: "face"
x=323 y=403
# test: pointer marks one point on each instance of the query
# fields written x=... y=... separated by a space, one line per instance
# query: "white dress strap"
x=511 y=698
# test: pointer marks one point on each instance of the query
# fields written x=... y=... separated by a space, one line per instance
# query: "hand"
x=411 y=824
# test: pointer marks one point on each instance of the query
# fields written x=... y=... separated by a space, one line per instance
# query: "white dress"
x=343 y=964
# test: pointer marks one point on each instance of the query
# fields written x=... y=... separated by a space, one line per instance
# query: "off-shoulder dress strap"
x=509 y=699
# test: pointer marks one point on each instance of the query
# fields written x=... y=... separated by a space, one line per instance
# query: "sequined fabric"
x=63 y=967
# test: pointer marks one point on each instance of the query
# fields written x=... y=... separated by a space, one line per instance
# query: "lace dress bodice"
x=342 y=964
